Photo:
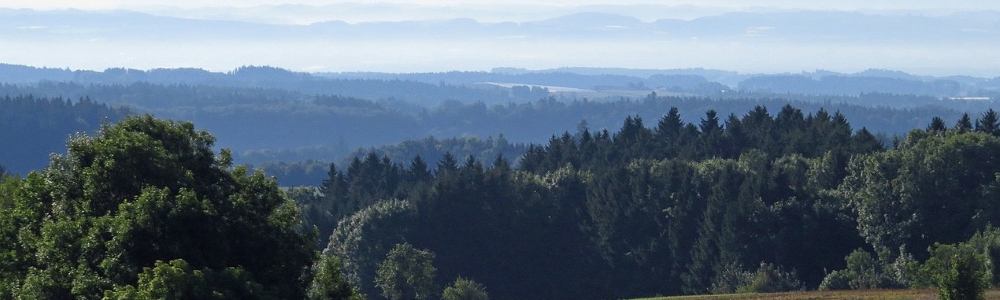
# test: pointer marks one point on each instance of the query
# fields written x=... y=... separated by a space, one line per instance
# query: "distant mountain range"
x=803 y=26
x=751 y=42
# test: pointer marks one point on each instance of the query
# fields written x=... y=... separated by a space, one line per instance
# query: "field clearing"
x=928 y=294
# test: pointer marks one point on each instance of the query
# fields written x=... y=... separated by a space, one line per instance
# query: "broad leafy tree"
x=407 y=273
x=146 y=200
x=329 y=282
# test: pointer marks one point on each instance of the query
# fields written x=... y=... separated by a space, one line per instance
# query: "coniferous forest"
x=764 y=201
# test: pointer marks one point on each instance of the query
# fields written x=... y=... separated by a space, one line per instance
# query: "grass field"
x=837 y=295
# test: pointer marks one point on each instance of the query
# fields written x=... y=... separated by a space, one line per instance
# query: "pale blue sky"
x=733 y=4
x=974 y=57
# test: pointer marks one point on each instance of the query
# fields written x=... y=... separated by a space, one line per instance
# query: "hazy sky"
x=734 y=4
x=737 y=53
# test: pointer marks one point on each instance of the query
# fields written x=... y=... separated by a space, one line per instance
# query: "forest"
x=758 y=202
x=269 y=116
x=220 y=187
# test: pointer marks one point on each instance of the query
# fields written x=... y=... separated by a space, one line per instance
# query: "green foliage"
x=959 y=271
x=603 y=203
x=177 y=280
x=329 y=282
x=770 y=279
x=366 y=237
x=861 y=273
x=949 y=178
x=987 y=241
x=836 y=280
x=139 y=193
x=407 y=273
x=671 y=220
x=638 y=212
x=862 y=270
x=465 y=289
x=31 y=127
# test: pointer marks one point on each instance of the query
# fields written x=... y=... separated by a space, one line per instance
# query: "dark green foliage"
x=140 y=193
x=31 y=128
x=310 y=172
x=949 y=178
x=862 y=270
x=866 y=272
x=769 y=278
x=625 y=214
x=364 y=239
x=937 y=125
x=965 y=280
x=305 y=173
x=329 y=282
x=177 y=280
x=465 y=289
x=987 y=241
x=790 y=132
x=959 y=271
x=836 y=280
x=989 y=123
x=964 y=124
x=679 y=208
x=406 y=273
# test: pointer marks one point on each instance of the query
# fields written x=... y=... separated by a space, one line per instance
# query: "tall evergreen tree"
x=964 y=124
x=989 y=123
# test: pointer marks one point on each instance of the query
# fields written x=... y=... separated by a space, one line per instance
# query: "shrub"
x=464 y=289
x=768 y=278
x=959 y=271
x=836 y=280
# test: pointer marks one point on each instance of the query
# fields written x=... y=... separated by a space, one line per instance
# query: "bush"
x=836 y=280
x=768 y=278
x=464 y=289
x=988 y=242
x=861 y=270
x=865 y=272
x=959 y=271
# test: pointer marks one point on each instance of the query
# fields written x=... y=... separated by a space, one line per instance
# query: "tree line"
x=310 y=172
x=262 y=125
x=31 y=128
x=757 y=203
x=751 y=203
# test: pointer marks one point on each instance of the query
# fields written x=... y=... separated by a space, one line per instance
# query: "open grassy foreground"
x=864 y=295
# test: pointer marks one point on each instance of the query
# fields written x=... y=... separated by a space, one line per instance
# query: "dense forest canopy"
x=674 y=208
x=31 y=128
x=538 y=195
x=665 y=207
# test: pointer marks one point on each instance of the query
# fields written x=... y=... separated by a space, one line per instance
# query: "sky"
x=388 y=56
x=732 y=4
